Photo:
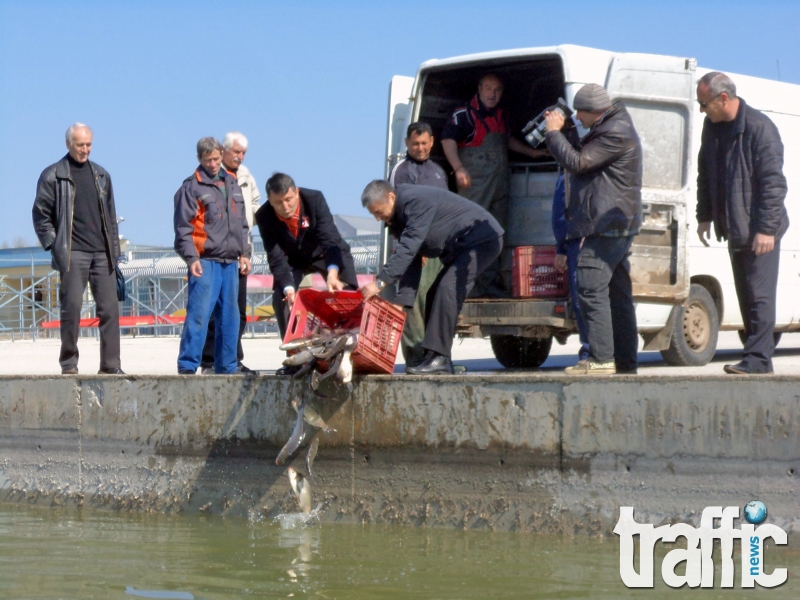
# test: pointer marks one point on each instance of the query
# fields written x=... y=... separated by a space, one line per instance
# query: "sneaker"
x=185 y=372
x=592 y=367
x=742 y=369
x=112 y=371
x=206 y=370
x=69 y=371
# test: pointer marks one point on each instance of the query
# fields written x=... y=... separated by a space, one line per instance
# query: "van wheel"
x=695 y=329
x=776 y=335
x=519 y=352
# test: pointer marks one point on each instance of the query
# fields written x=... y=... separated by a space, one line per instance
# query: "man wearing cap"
x=605 y=209
x=476 y=141
x=741 y=189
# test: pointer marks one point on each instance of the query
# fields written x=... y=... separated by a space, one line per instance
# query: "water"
x=57 y=553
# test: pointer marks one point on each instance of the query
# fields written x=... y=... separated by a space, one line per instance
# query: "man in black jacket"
x=301 y=238
x=434 y=223
x=605 y=209
x=75 y=219
x=741 y=188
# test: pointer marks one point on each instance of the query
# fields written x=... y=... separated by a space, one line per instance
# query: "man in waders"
x=476 y=141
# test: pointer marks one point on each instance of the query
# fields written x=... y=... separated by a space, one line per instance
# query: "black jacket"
x=606 y=183
x=317 y=240
x=409 y=170
x=435 y=223
x=53 y=208
x=754 y=182
x=206 y=224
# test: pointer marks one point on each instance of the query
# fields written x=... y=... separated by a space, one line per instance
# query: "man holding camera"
x=605 y=209
x=476 y=142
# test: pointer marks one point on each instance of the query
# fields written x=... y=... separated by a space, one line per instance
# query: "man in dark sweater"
x=434 y=223
x=417 y=168
x=741 y=189
x=75 y=218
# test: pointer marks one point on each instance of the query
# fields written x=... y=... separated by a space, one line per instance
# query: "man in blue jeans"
x=211 y=235
x=567 y=259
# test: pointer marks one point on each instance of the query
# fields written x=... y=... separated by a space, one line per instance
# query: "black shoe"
x=244 y=370
x=287 y=371
x=742 y=369
x=114 y=371
x=186 y=372
x=433 y=365
x=69 y=371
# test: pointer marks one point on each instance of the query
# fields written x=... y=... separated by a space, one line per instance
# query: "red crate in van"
x=380 y=324
x=534 y=273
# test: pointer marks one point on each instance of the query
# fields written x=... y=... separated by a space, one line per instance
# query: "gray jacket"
x=206 y=225
x=434 y=223
x=53 y=208
x=606 y=183
x=755 y=187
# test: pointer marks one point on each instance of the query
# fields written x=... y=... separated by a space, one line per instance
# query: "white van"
x=684 y=291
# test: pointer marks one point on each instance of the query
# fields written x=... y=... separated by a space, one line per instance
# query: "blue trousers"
x=573 y=249
x=215 y=291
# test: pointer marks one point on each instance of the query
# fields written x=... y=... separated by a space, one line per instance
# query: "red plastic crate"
x=380 y=324
x=534 y=273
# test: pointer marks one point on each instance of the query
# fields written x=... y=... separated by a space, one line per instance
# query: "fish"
x=301 y=488
x=345 y=371
x=315 y=380
x=298 y=359
x=305 y=369
x=297 y=437
x=332 y=370
x=314 y=419
x=310 y=456
x=303 y=343
x=333 y=349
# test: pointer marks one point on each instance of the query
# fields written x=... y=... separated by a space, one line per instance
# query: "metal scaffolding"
x=156 y=284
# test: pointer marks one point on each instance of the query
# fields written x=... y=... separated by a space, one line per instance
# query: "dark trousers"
x=94 y=268
x=208 y=348
x=573 y=250
x=282 y=311
x=449 y=290
x=606 y=300
x=756 y=280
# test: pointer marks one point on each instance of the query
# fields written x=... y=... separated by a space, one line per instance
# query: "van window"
x=662 y=131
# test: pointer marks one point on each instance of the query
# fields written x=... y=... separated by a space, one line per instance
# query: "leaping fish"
x=312 y=417
x=310 y=456
x=297 y=437
x=301 y=488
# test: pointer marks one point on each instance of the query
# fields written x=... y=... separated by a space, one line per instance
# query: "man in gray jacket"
x=234 y=148
x=741 y=188
x=212 y=236
x=434 y=223
x=605 y=209
x=75 y=219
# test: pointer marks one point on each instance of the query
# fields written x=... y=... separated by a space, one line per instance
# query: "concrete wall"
x=522 y=452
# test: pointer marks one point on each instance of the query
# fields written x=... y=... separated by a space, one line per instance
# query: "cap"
x=591 y=97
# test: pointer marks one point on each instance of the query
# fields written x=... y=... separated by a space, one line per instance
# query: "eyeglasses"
x=705 y=104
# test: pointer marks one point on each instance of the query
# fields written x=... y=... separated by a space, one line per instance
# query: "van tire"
x=776 y=335
x=695 y=330
x=520 y=352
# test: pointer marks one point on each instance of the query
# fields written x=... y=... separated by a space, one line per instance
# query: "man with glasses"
x=741 y=189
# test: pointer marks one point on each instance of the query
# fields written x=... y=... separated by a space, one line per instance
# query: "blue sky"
x=305 y=81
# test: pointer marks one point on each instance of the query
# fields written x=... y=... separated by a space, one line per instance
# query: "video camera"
x=535 y=130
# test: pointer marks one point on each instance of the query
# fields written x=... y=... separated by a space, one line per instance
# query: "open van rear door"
x=399 y=111
x=657 y=91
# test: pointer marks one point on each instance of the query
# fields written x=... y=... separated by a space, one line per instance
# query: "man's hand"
x=288 y=297
x=560 y=263
x=463 y=179
x=196 y=269
x=370 y=290
x=553 y=120
x=333 y=282
x=245 y=266
x=763 y=243
x=704 y=232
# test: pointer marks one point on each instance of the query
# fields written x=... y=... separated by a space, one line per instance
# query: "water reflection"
x=56 y=553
